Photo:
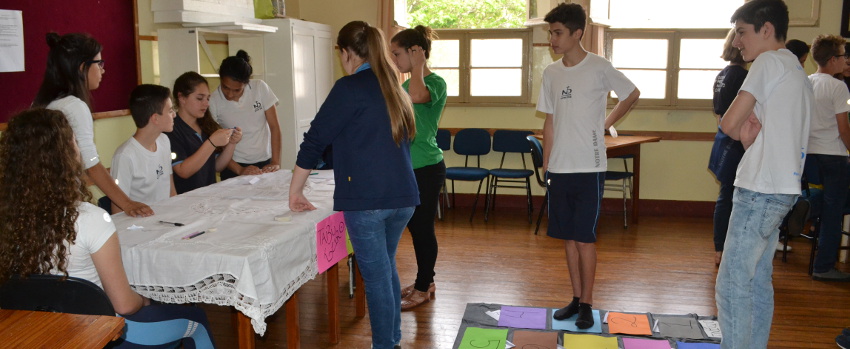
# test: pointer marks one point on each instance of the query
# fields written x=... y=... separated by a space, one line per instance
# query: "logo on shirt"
x=567 y=93
x=159 y=172
x=258 y=106
x=719 y=84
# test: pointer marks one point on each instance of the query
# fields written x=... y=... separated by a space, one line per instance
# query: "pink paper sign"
x=330 y=241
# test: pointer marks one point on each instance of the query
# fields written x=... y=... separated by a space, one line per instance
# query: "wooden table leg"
x=359 y=292
x=333 y=302
x=293 y=328
x=244 y=331
x=636 y=188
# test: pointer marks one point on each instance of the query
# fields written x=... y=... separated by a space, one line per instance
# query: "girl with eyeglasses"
x=75 y=66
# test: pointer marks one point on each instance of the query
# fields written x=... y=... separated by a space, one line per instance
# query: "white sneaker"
x=779 y=247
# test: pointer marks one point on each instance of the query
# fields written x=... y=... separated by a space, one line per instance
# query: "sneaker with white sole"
x=842 y=341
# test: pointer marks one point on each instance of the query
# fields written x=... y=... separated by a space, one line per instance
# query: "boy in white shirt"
x=770 y=116
x=142 y=165
x=829 y=138
x=574 y=94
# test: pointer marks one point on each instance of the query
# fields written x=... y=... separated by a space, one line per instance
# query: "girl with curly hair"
x=74 y=68
x=47 y=226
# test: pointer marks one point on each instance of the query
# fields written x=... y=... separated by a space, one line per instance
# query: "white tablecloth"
x=245 y=258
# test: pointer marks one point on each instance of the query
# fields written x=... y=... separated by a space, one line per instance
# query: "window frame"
x=674 y=38
x=465 y=37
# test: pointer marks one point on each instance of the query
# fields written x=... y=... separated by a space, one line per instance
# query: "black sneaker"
x=566 y=312
x=832 y=275
x=585 y=316
x=843 y=341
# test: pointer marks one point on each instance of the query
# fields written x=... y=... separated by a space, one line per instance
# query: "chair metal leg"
x=542 y=209
x=475 y=203
x=625 y=210
x=528 y=197
x=490 y=198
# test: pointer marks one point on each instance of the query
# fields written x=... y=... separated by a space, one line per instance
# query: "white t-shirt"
x=577 y=97
x=249 y=114
x=144 y=175
x=94 y=226
x=80 y=118
x=831 y=97
x=784 y=104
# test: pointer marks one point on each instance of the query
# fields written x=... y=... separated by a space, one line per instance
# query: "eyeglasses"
x=100 y=63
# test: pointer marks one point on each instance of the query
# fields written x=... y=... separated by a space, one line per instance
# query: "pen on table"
x=193 y=235
x=172 y=223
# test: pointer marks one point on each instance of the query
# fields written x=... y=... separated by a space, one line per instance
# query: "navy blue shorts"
x=574 y=205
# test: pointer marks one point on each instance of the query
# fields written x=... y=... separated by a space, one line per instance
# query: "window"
x=483 y=51
x=673 y=68
x=484 y=66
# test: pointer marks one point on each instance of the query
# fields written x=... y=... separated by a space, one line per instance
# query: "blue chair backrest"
x=444 y=140
x=52 y=293
x=536 y=150
x=472 y=141
x=511 y=141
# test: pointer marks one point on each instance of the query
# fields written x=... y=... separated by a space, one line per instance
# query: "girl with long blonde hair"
x=368 y=120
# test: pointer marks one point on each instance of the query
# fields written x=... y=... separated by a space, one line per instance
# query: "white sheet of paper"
x=494 y=314
x=711 y=328
x=11 y=41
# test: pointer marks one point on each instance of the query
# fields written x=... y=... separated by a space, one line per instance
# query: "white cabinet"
x=296 y=61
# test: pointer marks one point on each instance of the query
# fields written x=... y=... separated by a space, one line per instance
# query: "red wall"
x=108 y=21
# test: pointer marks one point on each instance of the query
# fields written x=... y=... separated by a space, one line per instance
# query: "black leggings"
x=430 y=180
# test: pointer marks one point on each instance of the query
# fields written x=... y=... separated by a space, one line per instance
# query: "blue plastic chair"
x=510 y=141
x=537 y=160
x=470 y=142
x=55 y=293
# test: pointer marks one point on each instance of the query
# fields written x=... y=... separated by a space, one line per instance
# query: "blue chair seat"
x=467 y=173
x=617 y=175
x=511 y=173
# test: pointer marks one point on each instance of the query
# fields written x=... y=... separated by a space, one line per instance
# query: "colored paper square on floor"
x=589 y=341
x=640 y=343
x=534 y=339
x=626 y=323
x=483 y=338
x=569 y=324
x=683 y=345
x=683 y=327
x=522 y=317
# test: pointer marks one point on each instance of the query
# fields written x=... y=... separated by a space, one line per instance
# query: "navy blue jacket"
x=371 y=171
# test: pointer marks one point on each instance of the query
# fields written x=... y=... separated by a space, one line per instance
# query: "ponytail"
x=368 y=42
x=421 y=36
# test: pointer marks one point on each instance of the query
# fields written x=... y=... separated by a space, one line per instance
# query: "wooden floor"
x=662 y=265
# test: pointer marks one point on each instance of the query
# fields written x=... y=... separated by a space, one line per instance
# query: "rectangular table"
x=38 y=329
x=630 y=145
x=627 y=145
x=245 y=258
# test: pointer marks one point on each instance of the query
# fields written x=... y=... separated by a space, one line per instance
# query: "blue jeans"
x=744 y=288
x=722 y=211
x=834 y=173
x=374 y=235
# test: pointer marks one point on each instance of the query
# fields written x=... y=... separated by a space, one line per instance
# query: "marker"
x=172 y=223
x=314 y=173
x=193 y=235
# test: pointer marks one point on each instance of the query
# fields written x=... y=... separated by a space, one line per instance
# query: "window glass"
x=496 y=82
x=445 y=53
x=696 y=84
x=651 y=83
x=452 y=77
x=701 y=53
x=496 y=52
x=640 y=53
